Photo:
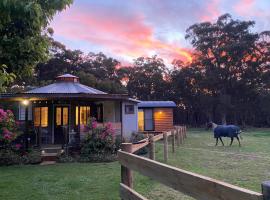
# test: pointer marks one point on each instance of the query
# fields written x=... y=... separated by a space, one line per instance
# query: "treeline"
x=227 y=81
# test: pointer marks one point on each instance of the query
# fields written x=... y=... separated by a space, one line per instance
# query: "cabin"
x=156 y=116
x=58 y=113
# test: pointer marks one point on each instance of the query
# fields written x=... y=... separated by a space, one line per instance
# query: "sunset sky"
x=127 y=29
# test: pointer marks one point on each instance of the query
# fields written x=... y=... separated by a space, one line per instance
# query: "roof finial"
x=68 y=78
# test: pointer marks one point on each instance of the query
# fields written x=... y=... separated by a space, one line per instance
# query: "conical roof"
x=65 y=84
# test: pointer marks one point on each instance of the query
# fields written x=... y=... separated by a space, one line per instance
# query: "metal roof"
x=156 y=104
x=67 y=76
x=65 y=87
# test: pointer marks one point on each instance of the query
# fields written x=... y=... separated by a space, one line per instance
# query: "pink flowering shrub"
x=7 y=127
x=100 y=140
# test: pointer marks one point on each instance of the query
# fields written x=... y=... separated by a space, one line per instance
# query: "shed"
x=155 y=115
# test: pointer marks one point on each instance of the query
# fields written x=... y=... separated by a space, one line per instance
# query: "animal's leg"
x=216 y=141
x=238 y=141
x=221 y=141
x=231 y=141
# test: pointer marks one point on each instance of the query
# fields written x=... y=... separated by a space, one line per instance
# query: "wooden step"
x=49 y=156
x=48 y=163
x=51 y=149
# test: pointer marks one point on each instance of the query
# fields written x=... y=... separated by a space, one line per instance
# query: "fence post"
x=178 y=136
x=126 y=174
x=181 y=135
x=266 y=190
x=173 y=140
x=165 y=140
x=185 y=129
x=152 y=147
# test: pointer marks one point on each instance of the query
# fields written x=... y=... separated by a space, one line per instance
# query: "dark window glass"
x=129 y=109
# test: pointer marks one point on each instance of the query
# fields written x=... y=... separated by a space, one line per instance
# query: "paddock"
x=247 y=167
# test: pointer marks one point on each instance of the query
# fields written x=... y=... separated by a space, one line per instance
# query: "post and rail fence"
x=192 y=184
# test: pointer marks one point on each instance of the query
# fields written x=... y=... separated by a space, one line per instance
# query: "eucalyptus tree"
x=24 y=34
x=232 y=60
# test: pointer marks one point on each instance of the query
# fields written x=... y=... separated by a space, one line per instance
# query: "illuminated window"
x=65 y=116
x=84 y=113
x=61 y=118
x=141 y=120
x=41 y=116
x=58 y=117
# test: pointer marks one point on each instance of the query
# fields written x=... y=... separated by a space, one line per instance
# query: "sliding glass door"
x=148 y=120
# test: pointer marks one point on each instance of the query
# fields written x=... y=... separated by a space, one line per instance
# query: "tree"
x=147 y=79
x=232 y=61
x=5 y=78
x=24 y=36
x=94 y=70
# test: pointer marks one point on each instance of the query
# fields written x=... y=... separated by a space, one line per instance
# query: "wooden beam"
x=194 y=185
x=165 y=140
x=158 y=137
x=137 y=146
x=152 y=153
x=173 y=140
x=126 y=173
x=126 y=193
x=178 y=136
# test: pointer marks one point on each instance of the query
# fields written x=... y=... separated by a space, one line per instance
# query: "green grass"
x=247 y=167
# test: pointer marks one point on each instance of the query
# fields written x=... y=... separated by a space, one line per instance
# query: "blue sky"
x=127 y=29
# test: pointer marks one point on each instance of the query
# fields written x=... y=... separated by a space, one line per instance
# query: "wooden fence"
x=192 y=184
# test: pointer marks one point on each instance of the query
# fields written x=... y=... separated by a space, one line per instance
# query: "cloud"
x=129 y=29
x=124 y=34
x=244 y=7
x=212 y=10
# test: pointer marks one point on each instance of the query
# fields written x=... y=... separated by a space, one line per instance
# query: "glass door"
x=43 y=135
x=148 y=120
x=61 y=123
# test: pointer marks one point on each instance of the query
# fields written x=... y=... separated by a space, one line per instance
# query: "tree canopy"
x=24 y=36
x=227 y=81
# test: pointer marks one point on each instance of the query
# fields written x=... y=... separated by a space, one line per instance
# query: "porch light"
x=25 y=102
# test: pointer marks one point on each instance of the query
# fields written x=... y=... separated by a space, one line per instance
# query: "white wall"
x=130 y=121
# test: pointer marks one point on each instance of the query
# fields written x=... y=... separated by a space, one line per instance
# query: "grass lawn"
x=247 y=166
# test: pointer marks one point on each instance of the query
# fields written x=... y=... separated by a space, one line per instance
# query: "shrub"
x=64 y=158
x=100 y=143
x=8 y=128
x=11 y=157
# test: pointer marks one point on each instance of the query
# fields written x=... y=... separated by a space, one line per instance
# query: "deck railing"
x=192 y=184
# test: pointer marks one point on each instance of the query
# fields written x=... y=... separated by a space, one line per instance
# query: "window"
x=141 y=120
x=129 y=109
x=82 y=113
x=148 y=120
x=61 y=116
x=41 y=116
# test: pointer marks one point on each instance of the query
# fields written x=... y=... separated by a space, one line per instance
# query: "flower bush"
x=100 y=142
x=11 y=152
x=8 y=129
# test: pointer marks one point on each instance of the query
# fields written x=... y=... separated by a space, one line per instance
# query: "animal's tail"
x=240 y=135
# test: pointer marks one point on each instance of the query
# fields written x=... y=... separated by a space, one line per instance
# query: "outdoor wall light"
x=25 y=102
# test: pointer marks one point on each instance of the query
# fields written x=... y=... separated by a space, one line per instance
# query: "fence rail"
x=192 y=184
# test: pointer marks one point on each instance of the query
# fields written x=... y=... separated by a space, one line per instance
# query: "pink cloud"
x=212 y=10
x=243 y=7
x=125 y=35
